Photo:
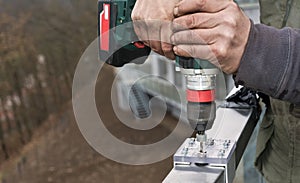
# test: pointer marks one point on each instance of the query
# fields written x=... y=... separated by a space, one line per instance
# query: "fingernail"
x=176 y=11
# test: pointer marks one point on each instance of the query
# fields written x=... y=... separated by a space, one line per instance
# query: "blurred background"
x=41 y=42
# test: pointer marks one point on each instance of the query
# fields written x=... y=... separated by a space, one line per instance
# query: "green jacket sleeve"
x=271 y=62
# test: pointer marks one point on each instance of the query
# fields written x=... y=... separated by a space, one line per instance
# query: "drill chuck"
x=201 y=106
x=201 y=115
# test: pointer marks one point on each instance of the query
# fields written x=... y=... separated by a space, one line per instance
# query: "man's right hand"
x=152 y=21
x=214 y=30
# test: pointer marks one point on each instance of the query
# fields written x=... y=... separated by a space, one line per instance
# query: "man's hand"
x=216 y=30
x=152 y=23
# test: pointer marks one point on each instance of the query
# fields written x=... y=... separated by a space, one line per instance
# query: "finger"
x=165 y=36
x=134 y=14
x=191 y=6
x=168 y=50
x=149 y=31
x=156 y=47
x=196 y=51
x=146 y=43
x=195 y=36
x=140 y=29
x=196 y=20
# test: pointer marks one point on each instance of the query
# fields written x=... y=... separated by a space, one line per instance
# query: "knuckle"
x=192 y=51
x=221 y=35
x=231 y=15
x=166 y=47
x=228 y=34
x=194 y=21
x=233 y=6
x=164 y=18
x=220 y=51
x=214 y=50
x=200 y=3
x=179 y=38
x=135 y=16
x=189 y=22
x=231 y=21
x=157 y=49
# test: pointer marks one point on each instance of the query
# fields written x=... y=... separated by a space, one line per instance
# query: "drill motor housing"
x=118 y=43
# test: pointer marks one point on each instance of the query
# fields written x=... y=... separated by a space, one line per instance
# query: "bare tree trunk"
x=3 y=145
x=4 y=149
x=23 y=113
x=39 y=102
x=66 y=73
x=52 y=86
x=6 y=116
x=18 y=121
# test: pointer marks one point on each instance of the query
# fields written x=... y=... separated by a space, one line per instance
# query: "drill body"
x=200 y=94
x=200 y=75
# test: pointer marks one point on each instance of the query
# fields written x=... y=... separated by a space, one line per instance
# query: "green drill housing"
x=118 y=43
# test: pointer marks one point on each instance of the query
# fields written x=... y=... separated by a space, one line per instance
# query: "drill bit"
x=201 y=138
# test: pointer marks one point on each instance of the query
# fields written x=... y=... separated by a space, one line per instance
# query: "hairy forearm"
x=271 y=62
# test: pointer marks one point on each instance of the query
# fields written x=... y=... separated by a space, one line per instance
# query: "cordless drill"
x=200 y=74
x=200 y=92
